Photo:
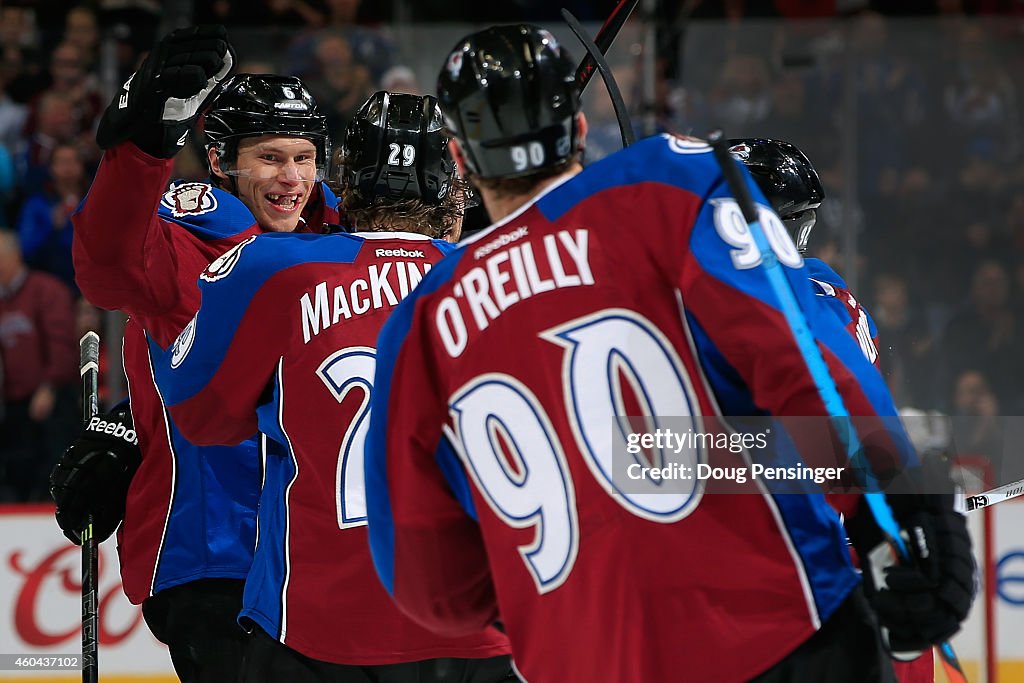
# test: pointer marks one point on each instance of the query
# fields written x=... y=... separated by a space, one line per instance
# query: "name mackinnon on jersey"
x=385 y=285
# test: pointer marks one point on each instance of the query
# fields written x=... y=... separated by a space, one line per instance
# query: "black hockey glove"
x=923 y=602
x=93 y=475
x=156 y=106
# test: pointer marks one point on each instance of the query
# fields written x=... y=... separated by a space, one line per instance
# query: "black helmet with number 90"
x=787 y=179
x=509 y=94
x=396 y=148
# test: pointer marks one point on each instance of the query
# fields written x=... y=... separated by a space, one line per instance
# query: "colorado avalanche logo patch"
x=183 y=344
x=222 y=266
x=454 y=64
x=741 y=151
x=190 y=199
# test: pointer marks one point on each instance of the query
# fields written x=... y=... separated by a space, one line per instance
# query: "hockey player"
x=284 y=343
x=189 y=513
x=790 y=183
x=492 y=488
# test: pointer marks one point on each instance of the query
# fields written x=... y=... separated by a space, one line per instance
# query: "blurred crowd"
x=913 y=124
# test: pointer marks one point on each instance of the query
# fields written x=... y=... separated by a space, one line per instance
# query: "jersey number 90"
x=497 y=418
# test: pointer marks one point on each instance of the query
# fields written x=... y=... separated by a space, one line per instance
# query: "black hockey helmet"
x=396 y=147
x=510 y=96
x=787 y=179
x=250 y=105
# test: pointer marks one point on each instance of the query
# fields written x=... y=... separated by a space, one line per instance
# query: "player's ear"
x=460 y=159
x=214 y=159
x=582 y=127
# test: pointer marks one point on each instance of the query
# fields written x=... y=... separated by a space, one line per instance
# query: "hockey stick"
x=996 y=495
x=816 y=363
x=604 y=39
x=805 y=341
x=594 y=53
x=89 y=367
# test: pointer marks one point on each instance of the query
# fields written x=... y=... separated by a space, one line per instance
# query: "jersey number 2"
x=344 y=371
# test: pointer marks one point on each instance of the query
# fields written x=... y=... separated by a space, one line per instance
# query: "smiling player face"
x=274 y=176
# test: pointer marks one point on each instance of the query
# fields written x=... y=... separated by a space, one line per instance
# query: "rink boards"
x=40 y=603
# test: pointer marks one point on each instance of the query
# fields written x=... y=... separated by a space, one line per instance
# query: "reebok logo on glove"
x=115 y=429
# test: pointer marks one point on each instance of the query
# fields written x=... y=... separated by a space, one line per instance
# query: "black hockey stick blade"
x=621 y=115
x=604 y=39
x=89 y=368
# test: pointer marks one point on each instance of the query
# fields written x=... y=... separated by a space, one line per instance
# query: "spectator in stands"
x=22 y=62
x=977 y=425
x=40 y=359
x=401 y=78
x=55 y=125
x=891 y=102
x=788 y=119
x=906 y=354
x=16 y=29
x=12 y=114
x=132 y=25
x=742 y=99
x=981 y=99
x=369 y=48
x=70 y=79
x=342 y=84
x=985 y=335
x=44 y=226
x=80 y=30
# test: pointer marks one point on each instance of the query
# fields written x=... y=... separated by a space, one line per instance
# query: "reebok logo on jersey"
x=499 y=242
x=402 y=253
x=114 y=429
